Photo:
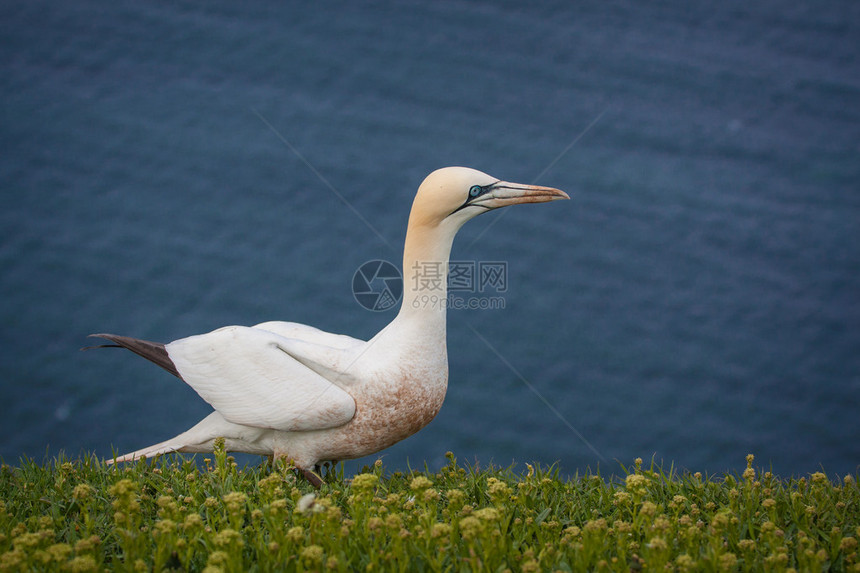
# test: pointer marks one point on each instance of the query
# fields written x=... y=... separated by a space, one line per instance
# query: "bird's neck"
x=425 y=276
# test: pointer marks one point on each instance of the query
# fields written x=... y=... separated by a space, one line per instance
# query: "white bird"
x=292 y=391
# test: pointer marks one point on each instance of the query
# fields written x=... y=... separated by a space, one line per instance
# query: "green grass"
x=172 y=514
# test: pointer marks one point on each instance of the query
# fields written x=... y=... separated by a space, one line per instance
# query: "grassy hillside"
x=173 y=515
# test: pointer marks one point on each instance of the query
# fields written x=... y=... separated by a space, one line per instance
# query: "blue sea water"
x=167 y=168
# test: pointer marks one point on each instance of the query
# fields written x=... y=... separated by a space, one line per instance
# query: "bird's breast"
x=391 y=405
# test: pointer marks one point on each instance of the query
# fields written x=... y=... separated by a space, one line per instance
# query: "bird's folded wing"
x=307 y=333
x=245 y=374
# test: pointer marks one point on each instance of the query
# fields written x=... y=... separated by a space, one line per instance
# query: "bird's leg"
x=313 y=478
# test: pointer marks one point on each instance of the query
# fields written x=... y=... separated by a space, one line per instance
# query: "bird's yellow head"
x=453 y=195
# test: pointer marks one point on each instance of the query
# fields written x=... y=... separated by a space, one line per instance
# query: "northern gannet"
x=288 y=390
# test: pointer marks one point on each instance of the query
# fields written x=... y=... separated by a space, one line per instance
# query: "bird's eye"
x=475 y=191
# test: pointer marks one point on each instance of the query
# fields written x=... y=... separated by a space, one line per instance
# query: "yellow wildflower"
x=228 y=537
x=420 y=483
x=487 y=514
x=498 y=490
x=470 y=527
x=235 y=500
x=636 y=483
x=82 y=492
x=296 y=534
x=684 y=562
x=648 y=508
x=394 y=521
x=728 y=561
x=455 y=497
x=82 y=564
x=364 y=483
x=193 y=521
x=88 y=544
x=59 y=552
x=312 y=554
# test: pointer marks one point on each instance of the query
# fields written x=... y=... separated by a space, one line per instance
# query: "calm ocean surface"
x=697 y=300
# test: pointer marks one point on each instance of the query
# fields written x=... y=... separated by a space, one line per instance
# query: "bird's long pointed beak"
x=506 y=193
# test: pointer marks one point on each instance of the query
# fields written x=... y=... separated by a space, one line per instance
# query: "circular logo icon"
x=377 y=285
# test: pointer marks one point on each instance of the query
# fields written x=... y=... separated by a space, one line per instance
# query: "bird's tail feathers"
x=152 y=351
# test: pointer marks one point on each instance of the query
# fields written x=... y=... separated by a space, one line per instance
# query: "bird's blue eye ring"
x=475 y=191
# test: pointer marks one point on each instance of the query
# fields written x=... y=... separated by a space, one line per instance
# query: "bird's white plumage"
x=291 y=390
x=248 y=376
